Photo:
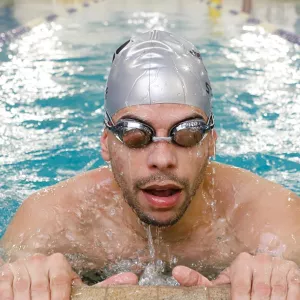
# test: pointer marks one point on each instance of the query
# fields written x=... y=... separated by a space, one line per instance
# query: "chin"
x=158 y=221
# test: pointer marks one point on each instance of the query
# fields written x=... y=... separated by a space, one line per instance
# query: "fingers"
x=279 y=285
x=188 y=277
x=262 y=270
x=240 y=273
x=261 y=277
x=122 y=278
x=6 y=282
x=39 y=288
x=21 y=281
x=38 y=278
x=60 y=277
x=293 y=280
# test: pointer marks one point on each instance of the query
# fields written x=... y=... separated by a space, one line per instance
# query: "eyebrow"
x=189 y=117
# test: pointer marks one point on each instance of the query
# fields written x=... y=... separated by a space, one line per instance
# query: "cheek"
x=125 y=163
x=198 y=154
x=193 y=160
x=117 y=155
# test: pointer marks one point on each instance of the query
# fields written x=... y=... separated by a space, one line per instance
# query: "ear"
x=212 y=143
x=104 y=145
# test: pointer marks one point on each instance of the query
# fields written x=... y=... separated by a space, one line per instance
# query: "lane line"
x=8 y=36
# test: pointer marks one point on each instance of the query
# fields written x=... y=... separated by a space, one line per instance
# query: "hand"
x=43 y=277
x=39 y=277
x=261 y=277
x=188 y=277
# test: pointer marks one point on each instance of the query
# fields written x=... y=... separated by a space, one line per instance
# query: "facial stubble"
x=130 y=195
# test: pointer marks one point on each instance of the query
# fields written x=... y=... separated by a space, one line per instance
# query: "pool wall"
x=151 y=293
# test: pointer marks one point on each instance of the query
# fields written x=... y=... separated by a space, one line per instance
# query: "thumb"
x=119 y=279
x=223 y=278
x=188 y=277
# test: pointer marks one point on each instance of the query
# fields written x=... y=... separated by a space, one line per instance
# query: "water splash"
x=154 y=271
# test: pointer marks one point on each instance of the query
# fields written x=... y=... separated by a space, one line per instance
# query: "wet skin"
x=222 y=216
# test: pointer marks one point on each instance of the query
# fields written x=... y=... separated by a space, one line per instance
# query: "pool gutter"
x=151 y=293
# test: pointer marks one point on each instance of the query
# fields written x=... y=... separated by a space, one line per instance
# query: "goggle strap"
x=108 y=120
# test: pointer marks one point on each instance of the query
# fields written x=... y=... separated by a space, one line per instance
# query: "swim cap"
x=157 y=67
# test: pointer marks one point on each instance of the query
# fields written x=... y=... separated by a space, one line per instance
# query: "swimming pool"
x=53 y=77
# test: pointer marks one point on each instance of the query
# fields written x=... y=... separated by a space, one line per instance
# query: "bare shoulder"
x=233 y=185
x=53 y=214
x=73 y=190
x=240 y=186
x=262 y=213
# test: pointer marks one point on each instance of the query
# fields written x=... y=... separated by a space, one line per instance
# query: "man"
x=161 y=200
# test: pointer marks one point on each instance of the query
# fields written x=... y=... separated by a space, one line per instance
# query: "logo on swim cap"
x=157 y=67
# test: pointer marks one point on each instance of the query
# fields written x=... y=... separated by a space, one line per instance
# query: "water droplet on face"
x=109 y=234
x=199 y=153
x=112 y=212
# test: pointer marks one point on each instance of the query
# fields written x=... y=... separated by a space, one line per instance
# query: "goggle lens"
x=136 y=138
x=188 y=137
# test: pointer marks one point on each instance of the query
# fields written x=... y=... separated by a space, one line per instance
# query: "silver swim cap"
x=157 y=67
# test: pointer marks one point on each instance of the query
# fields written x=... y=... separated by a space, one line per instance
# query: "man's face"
x=159 y=180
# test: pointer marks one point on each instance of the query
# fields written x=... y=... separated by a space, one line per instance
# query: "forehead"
x=160 y=113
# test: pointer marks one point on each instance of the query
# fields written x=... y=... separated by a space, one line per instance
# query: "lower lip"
x=162 y=202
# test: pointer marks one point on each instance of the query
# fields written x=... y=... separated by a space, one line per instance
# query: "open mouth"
x=162 y=193
x=162 y=196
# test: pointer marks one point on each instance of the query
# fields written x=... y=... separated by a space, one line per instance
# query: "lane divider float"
x=271 y=28
x=10 y=35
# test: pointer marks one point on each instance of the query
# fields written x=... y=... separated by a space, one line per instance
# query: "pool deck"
x=151 y=293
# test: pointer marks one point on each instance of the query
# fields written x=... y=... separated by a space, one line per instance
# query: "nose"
x=162 y=156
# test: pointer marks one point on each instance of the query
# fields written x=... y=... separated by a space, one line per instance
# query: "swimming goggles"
x=137 y=134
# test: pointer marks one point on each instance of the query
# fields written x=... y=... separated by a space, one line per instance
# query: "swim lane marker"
x=16 y=32
x=285 y=34
x=271 y=28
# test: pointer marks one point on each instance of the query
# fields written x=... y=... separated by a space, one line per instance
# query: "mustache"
x=140 y=183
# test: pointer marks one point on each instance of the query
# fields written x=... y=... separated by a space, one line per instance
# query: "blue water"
x=51 y=95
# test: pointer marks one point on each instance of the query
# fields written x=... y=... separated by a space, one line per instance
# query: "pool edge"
x=151 y=293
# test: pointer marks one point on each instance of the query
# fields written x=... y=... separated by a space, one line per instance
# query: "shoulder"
x=232 y=184
x=241 y=191
x=58 y=209
x=77 y=188
x=244 y=185
x=255 y=207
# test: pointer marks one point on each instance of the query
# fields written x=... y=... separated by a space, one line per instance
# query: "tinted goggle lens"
x=135 y=134
x=136 y=138
x=188 y=137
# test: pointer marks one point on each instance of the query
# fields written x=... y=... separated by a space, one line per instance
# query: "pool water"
x=52 y=81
